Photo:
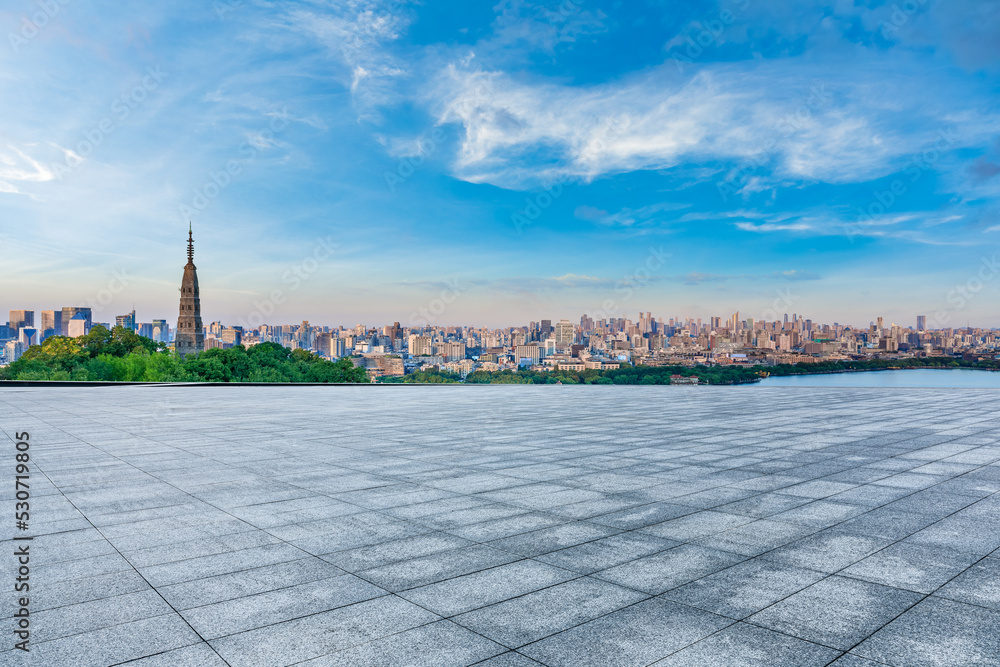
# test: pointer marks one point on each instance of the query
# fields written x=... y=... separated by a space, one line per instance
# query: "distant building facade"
x=71 y=312
x=21 y=318
x=51 y=323
x=77 y=326
x=127 y=321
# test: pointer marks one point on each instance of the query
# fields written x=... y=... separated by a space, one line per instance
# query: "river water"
x=922 y=377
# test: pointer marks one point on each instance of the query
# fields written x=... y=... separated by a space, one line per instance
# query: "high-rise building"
x=530 y=352
x=419 y=345
x=564 y=333
x=127 y=321
x=27 y=336
x=921 y=323
x=544 y=329
x=51 y=323
x=12 y=351
x=161 y=331
x=190 y=338
x=69 y=313
x=453 y=351
x=21 y=318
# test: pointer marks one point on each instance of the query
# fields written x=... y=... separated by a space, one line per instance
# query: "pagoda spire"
x=190 y=245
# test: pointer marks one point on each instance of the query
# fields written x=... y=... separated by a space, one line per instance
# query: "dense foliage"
x=880 y=365
x=433 y=377
x=120 y=355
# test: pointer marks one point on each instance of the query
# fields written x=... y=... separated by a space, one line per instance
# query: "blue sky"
x=494 y=163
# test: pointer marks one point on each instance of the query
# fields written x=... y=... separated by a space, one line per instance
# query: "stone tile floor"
x=507 y=526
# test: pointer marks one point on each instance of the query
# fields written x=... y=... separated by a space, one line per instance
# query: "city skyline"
x=191 y=329
x=846 y=154
x=633 y=317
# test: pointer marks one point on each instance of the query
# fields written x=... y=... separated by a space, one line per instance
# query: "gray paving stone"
x=386 y=553
x=216 y=564
x=608 y=552
x=220 y=588
x=743 y=645
x=117 y=643
x=937 y=632
x=90 y=616
x=507 y=527
x=827 y=551
x=851 y=660
x=254 y=611
x=640 y=517
x=528 y=618
x=47 y=595
x=197 y=655
x=669 y=569
x=912 y=567
x=486 y=587
x=631 y=637
x=836 y=612
x=442 y=644
x=320 y=634
x=818 y=489
x=436 y=567
x=509 y=659
x=820 y=514
x=894 y=524
x=755 y=538
x=697 y=525
x=971 y=535
x=745 y=588
x=244 y=506
x=553 y=539
x=979 y=585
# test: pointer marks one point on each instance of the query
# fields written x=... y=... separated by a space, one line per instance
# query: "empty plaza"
x=505 y=526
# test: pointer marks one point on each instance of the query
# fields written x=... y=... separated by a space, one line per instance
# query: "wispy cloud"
x=629 y=217
x=737 y=113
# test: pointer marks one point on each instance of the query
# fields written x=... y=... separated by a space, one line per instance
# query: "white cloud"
x=18 y=167
x=773 y=116
x=766 y=227
x=359 y=32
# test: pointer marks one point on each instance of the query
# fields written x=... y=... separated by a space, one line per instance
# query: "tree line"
x=120 y=355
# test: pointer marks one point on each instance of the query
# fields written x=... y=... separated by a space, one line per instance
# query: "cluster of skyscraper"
x=22 y=331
